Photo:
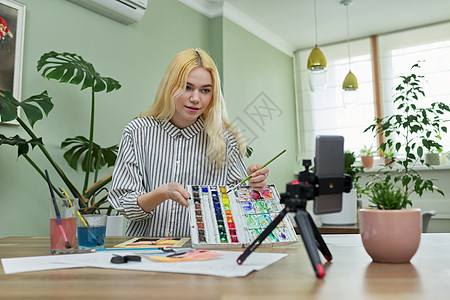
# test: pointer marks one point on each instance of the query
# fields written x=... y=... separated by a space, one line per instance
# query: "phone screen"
x=329 y=161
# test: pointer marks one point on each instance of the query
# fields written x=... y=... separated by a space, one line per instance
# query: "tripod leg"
x=321 y=245
x=261 y=237
x=307 y=234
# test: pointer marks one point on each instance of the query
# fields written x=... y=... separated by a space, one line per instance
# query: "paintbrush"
x=250 y=176
x=81 y=217
x=58 y=214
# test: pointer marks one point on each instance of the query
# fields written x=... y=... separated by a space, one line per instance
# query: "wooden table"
x=351 y=275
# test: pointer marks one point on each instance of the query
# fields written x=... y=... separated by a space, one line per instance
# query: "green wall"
x=136 y=55
x=259 y=89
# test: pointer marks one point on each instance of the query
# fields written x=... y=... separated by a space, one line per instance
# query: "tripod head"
x=309 y=187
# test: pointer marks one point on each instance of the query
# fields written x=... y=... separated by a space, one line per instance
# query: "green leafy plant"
x=389 y=157
x=352 y=168
x=412 y=130
x=66 y=68
x=367 y=151
x=389 y=153
x=435 y=151
x=385 y=195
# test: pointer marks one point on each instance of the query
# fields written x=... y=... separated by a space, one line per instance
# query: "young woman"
x=185 y=138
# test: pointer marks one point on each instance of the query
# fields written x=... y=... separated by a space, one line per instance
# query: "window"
x=325 y=112
x=399 y=51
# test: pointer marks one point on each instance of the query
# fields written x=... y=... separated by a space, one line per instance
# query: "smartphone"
x=329 y=164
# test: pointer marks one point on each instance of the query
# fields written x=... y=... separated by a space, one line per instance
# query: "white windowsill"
x=417 y=168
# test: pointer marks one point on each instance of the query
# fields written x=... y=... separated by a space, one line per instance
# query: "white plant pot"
x=432 y=158
x=115 y=225
x=348 y=214
x=445 y=159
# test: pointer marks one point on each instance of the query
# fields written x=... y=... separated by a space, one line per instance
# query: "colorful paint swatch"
x=252 y=221
x=260 y=207
x=237 y=218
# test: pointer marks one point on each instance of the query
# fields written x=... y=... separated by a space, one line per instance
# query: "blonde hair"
x=215 y=116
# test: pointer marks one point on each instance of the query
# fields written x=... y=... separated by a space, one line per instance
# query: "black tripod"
x=295 y=199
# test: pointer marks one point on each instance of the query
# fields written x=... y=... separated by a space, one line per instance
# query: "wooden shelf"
x=336 y=229
x=339 y=229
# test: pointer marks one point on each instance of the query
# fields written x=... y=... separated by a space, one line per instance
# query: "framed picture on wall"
x=12 y=27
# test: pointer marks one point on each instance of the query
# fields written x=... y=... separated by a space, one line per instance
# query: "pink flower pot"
x=390 y=236
x=388 y=162
x=367 y=161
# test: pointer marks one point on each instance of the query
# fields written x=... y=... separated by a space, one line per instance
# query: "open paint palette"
x=236 y=219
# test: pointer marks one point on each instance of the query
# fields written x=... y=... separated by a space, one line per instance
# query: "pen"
x=250 y=176
x=175 y=254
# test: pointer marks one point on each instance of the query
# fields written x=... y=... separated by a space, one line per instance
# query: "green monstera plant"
x=66 y=68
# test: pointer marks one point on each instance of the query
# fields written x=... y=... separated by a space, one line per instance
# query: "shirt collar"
x=187 y=132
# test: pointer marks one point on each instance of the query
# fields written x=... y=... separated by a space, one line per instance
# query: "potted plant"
x=433 y=157
x=412 y=130
x=445 y=158
x=389 y=157
x=66 y=68
x=389 y=231
x=366 y=155
x=348 y=214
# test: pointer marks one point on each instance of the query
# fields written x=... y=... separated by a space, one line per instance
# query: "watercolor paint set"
x=235 y=219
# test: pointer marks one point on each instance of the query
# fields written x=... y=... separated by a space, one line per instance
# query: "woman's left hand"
x=259 y=177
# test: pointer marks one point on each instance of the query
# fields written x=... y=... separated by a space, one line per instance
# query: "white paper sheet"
x=35 y=263
x=224 y=266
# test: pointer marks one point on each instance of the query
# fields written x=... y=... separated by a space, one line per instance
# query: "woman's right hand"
x=171 y=190
x=176 y=192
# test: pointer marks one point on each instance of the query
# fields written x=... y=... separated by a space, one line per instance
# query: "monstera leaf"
x=8 y=106
x=80 y=146
x=32 y=107
x=22 y=144
x=72 y=68
x=248 y=151
x=65 y=68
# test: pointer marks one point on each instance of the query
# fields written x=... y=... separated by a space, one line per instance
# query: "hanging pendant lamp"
x=316 y=59
x=350 y=82
x=317 y=64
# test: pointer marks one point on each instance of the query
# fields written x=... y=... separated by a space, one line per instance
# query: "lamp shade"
x=350 y=82
x=316 y=59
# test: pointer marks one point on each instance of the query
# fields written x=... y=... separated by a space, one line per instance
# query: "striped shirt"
x=153 y=153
